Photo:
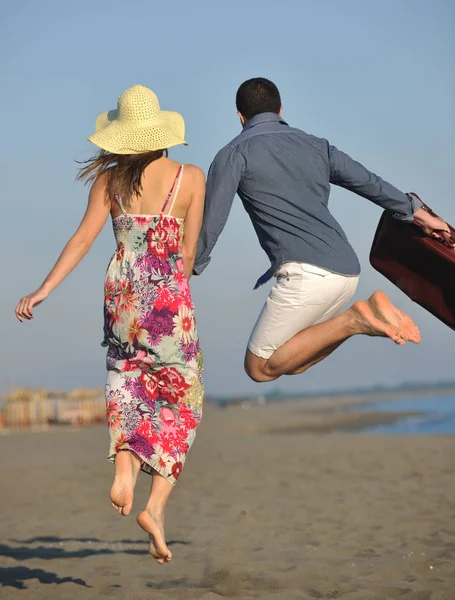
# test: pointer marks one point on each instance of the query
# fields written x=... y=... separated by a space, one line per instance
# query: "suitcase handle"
x=426 y=208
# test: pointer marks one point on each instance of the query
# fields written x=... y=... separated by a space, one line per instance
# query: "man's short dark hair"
x=257 y=96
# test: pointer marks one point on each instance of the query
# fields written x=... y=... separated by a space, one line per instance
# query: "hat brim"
x=118 y=137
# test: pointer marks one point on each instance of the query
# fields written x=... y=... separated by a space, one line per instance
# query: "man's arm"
x=223 y=180
x=348 y=173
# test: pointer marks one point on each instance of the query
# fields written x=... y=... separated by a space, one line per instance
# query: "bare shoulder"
x=195 y=174
x=195 y=180
x=99 y=188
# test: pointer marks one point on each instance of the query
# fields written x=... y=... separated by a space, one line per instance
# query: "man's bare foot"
x=153 y=524
x=365 y=322
x=127 y=466
x=384 y=310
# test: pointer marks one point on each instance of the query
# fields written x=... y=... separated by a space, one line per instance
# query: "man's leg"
x=376 y=317
x=303 y=296
x=317 y=358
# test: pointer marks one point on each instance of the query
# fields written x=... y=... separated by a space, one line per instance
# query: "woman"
x=154 y=386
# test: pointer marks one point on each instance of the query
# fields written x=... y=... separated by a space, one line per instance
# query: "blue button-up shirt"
x=283 y=178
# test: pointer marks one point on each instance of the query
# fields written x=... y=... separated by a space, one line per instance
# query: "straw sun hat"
x=138 y=125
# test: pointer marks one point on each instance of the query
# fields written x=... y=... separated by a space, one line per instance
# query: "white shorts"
x=303 y=295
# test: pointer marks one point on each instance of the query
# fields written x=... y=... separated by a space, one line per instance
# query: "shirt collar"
x=267 y=117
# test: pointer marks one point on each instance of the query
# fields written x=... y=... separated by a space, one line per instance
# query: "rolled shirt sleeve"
x=223 y=180
x=350 y=174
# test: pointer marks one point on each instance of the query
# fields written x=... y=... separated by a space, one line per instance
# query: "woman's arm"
x=193 y=220
x=95 y=217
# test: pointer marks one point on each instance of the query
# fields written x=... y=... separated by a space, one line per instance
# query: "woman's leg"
x=151 y=519
x=127 y=466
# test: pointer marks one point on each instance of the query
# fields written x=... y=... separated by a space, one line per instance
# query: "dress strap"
x=119 y=202
x=177 y=180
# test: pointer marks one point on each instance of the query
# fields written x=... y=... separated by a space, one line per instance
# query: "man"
x=283 y=178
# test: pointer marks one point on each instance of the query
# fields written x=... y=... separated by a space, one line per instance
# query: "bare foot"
x=153 y=524
x=370 y=325
x=384 y=310
x=127 y=466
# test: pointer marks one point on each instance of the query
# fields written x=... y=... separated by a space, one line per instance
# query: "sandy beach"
x=274 y=503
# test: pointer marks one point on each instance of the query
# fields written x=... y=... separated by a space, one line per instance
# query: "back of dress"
x=154 y=388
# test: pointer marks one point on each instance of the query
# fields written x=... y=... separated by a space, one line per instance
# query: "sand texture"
x=272 y=504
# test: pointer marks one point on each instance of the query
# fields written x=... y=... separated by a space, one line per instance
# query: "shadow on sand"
x=54 y=550
x=17 y=576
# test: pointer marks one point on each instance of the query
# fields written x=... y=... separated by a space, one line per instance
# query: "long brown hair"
x=124 y=171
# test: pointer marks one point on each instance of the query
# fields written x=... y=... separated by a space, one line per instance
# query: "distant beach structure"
x=24 y=408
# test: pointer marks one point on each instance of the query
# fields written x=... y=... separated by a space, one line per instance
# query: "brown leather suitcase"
x=419 y=265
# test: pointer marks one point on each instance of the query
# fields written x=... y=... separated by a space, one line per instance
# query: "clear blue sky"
x=375 y=78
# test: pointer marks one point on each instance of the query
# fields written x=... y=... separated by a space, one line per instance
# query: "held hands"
x=24 y=309
x=434 y=227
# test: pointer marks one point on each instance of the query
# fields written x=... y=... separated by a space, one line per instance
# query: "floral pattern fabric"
x=154 y=388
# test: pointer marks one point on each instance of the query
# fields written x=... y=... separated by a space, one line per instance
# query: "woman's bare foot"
x=127 y=466
x=366 y=323
x=384 y=310
x=153 y=523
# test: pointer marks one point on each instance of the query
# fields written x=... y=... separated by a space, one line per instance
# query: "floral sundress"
x=154 y=389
